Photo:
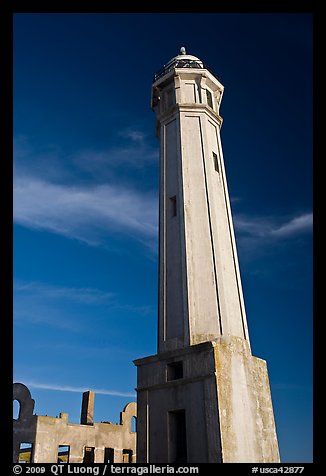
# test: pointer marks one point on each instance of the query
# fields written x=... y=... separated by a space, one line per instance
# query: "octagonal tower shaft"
x=200 y=292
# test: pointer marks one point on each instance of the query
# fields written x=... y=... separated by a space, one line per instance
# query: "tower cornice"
x=190 y=74
x=190 y=108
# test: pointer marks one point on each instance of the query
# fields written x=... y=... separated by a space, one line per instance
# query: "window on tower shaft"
x=209 y=98
x=173 y=201
x=215 y=162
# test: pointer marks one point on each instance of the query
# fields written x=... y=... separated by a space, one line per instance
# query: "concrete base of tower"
x=206 y=403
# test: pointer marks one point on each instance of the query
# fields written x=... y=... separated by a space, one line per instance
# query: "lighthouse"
x=203 y=397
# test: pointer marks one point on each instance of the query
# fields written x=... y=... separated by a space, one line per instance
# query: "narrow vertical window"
x=127 y=456
x=173 y=201
x=63 y=454
x=109 y=455
x=25 y=453
x=209 y=98
x=177 y=435
x=215 y=162
x=16 y=409
x=134 y=424
x=89 y=455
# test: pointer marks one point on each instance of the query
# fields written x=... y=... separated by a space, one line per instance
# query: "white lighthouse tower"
x=203 y=397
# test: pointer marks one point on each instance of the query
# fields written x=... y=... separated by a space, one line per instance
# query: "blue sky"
x=86 y=199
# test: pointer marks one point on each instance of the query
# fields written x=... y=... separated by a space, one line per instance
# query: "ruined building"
x=46 y=439
x=203 y=397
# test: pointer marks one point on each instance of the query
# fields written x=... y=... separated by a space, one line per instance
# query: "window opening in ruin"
x=134 y=424
x=174 y=370
x=177 y=436
x=209 y=98
x=109 y=455
x=63 y=453
x=16 y=410
x=215 y=162
x=89 y=455
x=127 y=456
x=173 y=201
x=25 y=453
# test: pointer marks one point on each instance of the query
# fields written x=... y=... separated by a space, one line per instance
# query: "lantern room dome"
x=186 y=59
x=182 y=60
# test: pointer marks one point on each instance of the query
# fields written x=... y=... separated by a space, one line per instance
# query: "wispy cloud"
x=134 y=150
x=84 y=213
x=58 y=306
x=102 y=163
x=68 y=388
x=83 y=295
x=270 y=227
x=133 y=134
x=235 y=199
x=258 y=236
x=91 y=210
x=38 y=303
x=89 y=213
x=297 y=225
x=249 y=225
x=130 y=149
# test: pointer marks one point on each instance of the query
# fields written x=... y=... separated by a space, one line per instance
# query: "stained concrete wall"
x=248 y=431
x=226 y=397
x=195 y=393
x=46 y=433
